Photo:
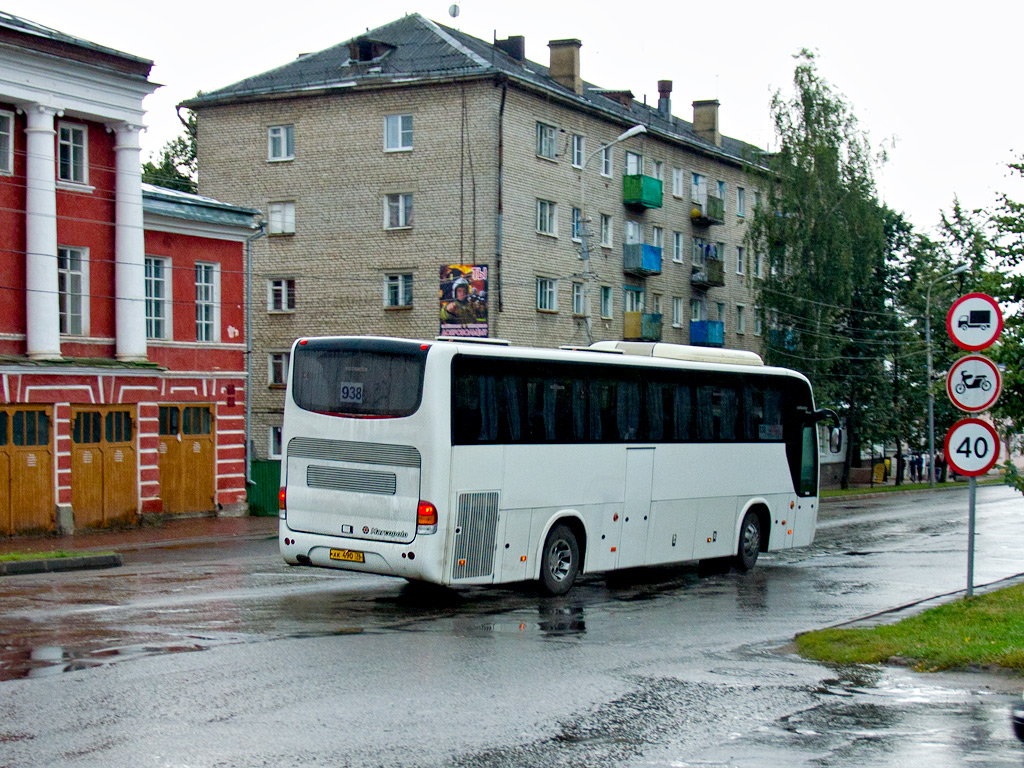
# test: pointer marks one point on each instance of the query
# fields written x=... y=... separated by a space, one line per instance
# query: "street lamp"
x=931 y=391
x=584 y=231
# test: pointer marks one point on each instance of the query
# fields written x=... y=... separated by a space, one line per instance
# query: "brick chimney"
x=664 y=99
x=705 y=121
x=514 y=46
x=565 y=64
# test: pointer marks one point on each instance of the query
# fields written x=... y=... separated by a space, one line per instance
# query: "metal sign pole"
x=973 y=483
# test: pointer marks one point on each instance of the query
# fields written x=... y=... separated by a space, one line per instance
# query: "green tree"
x=175 y=166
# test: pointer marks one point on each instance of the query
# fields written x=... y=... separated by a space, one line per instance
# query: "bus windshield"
x=357 y=378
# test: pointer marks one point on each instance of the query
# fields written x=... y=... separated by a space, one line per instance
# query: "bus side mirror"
x=835 y=439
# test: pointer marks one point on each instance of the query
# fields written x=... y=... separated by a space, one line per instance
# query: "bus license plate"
x=347 y=554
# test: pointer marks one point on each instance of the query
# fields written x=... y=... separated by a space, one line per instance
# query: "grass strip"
x=11 y=557
x=980 y=631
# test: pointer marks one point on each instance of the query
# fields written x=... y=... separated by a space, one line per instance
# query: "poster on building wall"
x=464 y=300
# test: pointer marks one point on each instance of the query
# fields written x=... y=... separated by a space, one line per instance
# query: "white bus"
x=460 y=463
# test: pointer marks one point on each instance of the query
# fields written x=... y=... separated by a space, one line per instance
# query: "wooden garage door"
x=103 y=465
x=26 y=469
x=187 y=459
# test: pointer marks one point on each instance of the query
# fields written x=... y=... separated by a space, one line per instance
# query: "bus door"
x=103 y=468
x=636 y=507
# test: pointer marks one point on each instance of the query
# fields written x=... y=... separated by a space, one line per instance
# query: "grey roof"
x=16 y=23
x=424 y=51
x=183 y=205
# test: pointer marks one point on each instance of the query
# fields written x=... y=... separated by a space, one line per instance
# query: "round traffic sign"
x=974 y=321
x=973 y=383
x=972 y=447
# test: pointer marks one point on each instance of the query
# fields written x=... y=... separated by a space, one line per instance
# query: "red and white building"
x=122 y=344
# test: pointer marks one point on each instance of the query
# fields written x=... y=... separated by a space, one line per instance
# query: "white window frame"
x=758 y=322
x=698 y=188
x=606 y=161
x=741 y=319
x=677 y=311
x=578 y=299
x=208 y=301
x=607 y=302
x=634 y=232
x=723 y=190
x=547 y=141
x=64 y=253
x=79 y=153
x=633 y=299
x=658 y=237
x=758 y=265
x=577 y=225
x=658 y=170
x=722 y=309
x=579 y=150
x=741 y=202
x=656 y=303
x=159 y=326
x=698 y=311
x=281 y=295
x=398 y=210
x=275 y=442
x=398 y=290
x=547 y=294
x=634 y=163
x=547 y=218
x=398 y=132
x=678 y=243
x=281 y=218
x=740 y=266
x=698 y=256
x=280 y=143
x=6 y=143
x=606 y=230
x=277 y=368
x=677 y=182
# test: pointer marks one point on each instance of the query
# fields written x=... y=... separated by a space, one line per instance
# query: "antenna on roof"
x=453 y=10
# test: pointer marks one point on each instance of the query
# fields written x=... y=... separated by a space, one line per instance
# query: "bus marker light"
x=613 y=549
x=302 y=342
x=426 y=518
x=462 y=562
x=791 y=504
x=424 y=346
x=615 y=517
x=281 y=498
x=790 y=532
x=522 y=559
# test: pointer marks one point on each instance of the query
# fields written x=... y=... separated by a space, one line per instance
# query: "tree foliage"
x=175 y=166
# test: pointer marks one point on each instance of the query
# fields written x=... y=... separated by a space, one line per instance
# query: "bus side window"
x=705 y=413
x=725 y=413
x=682 y=412
x=627 y=412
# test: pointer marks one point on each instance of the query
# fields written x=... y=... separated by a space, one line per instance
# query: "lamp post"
x=584 y=230
x=931 y=392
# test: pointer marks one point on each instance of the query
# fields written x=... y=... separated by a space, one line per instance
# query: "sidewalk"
x=193 y=530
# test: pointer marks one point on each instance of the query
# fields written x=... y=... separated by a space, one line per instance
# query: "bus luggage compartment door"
x=346 y=488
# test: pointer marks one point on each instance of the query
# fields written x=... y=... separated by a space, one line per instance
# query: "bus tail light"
x=426 y=518
x=281 y=503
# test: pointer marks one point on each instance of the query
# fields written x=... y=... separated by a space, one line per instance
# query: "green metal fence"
x=262 y=496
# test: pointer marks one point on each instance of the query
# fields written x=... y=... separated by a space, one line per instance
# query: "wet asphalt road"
x=222 y=656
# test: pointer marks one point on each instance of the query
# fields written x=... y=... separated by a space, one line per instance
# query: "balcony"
x=710 y=210
x=709 y=275
x=707 y=333
x=641 y=326
x=641 y=259
x=784 y=339
x=641 y=191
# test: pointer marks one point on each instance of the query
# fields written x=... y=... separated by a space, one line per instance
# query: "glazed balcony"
x=707 y=333
x=641 y=259
x=641 y=191
x=641 y=326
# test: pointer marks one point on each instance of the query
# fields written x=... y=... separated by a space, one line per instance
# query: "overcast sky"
x=932 y=84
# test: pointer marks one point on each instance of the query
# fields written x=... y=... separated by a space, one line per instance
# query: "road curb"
x=58 y=564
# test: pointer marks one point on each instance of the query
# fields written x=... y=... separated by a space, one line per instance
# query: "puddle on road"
x=48 y=660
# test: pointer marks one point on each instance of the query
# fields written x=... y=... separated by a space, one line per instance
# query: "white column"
x=129 y=247
x=42 y=322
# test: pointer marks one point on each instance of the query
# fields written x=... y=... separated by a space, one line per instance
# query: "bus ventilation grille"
x=474 y=538
x=352 y=480
x=357 y=453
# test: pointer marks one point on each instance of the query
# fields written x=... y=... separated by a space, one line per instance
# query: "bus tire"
x=560 y=561
x=749 y=544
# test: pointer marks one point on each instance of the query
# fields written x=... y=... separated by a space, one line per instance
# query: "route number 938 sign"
x=972 y=447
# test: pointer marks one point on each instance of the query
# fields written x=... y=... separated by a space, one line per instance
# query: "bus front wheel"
x=750 y=543
x=560 y=562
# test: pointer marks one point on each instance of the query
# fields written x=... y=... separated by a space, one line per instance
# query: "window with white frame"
x=677 y=182
x=398 y=211
x=658 y=237
x=721 y=195
x=697 y=310
x=577 y=224
x=633 y=299
x=578 y=299
x=281 y=294
x=634 y=164
x=678 y=247
x=158 y=297
x=606 y=230
x=720 y=306
x=632 y=232
x=398 y=290
x=606 y=161
x=282 y=218
x=656 y=303
x=741 y=201
x=741 y=319
x=740 y=266
x=72 y=290
x=72 y=153
x=274 y=446
x=699 y=188
x=207 y=301
x=606 y=301
x=677 y=312
x=658 y=170
x=698 y=254
x=547 y=294
x=547 y=218
x=277 y=369
x=397 y=133
x=758 y=321
x=757 y=264
x=546 y=138
x=579 y=150
x=280 y=143
x=6 y=142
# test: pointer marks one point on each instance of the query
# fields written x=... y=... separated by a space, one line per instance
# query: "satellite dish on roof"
x=453 y=11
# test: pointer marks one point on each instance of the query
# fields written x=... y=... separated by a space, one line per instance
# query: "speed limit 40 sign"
x=972 y=447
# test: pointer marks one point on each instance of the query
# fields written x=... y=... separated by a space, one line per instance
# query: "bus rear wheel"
x=560 y=561
x=750 y=543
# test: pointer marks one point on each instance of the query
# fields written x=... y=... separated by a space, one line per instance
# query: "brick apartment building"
x=122 y=352
x=419 y=181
